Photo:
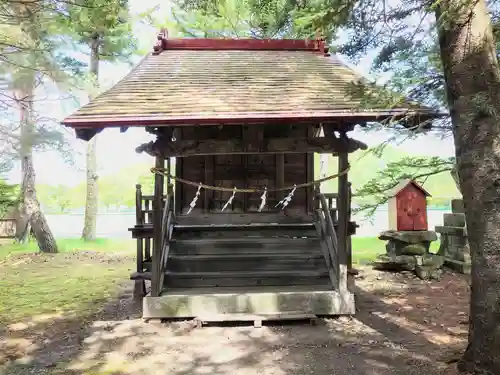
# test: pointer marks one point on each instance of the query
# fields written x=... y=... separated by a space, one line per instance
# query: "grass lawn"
x=71 y=245
x=366 y=249
x=75 y=280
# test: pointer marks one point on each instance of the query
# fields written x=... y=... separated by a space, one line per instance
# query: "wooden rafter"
x=167 y=148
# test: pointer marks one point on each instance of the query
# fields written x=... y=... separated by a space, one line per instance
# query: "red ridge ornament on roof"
x=161 y=43
x=206 y=44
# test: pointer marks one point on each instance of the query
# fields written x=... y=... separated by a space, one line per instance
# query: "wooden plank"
x=141 y=276
x=257 y=319
x=246 y=279
x=300 y=145
x=147 y=248
x=157 y=234
x=245 y=261
x=249 y=247
x=328 y=251
x=166 y=231
x=218 y=217
x=140 y=256
x=241 y=44
x=139 y=217
x=250 y=317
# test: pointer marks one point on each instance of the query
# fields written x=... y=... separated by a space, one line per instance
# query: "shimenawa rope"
x=163 y=171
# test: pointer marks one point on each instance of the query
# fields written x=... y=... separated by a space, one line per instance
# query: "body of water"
x=115 y=225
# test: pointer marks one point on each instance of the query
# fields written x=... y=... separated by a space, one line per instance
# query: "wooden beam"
x=87 y=134
x=238 y=44
x=162 y=147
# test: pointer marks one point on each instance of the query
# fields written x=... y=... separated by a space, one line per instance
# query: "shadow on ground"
x=389 y=335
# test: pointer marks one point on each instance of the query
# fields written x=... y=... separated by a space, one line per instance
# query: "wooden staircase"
x=243 y=256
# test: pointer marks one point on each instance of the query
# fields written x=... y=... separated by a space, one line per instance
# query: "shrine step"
x=245 y=230
x=246 y=278
x=282 y=261
x=244 y=245
x=195 y=302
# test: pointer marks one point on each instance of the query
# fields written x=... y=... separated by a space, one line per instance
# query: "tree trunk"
x=473 y=93
x=30 y=212
x=92 y=198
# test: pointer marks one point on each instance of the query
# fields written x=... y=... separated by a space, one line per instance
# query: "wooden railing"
x=336 y=261
x=143 y=207
x=159 y=265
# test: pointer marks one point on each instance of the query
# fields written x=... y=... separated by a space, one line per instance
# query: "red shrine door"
x=411 y=210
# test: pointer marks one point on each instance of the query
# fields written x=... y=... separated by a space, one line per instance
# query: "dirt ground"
x=403 y=326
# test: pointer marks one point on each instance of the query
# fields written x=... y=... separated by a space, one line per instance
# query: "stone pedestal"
x=454 y=245
x=409 y=251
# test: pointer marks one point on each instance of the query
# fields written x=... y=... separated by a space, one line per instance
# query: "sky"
x=117 y=150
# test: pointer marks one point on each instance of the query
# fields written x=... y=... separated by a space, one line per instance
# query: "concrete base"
x=458 y=266
x=192 y=303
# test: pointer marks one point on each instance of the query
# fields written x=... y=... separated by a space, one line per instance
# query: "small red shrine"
x=408 y=207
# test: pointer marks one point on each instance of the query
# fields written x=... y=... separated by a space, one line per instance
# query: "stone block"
x=433 y=261
x=273 y=300
x=462 y=254
x=454 y=220
x=393 y=247
x=409 y=237
x=460 y=267
x=395 y=263
x=428 y=273
x=396 y=247
x=454 y=231
x=414 y=249
x=457 y=206
x=458 y=241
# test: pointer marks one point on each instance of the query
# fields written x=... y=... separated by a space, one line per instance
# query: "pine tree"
x=103 y=26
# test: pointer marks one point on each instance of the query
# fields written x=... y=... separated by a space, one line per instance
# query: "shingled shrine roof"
x=194 y=81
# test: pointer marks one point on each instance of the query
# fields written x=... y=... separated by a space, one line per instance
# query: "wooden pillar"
x=208 y=197
x=139 y=285
x=139 y=218
x=178 y=187
x=280 y=175
x=170 y=190
x=342 y=211
x=310 y=177
x=246 y=137
x=157 y=217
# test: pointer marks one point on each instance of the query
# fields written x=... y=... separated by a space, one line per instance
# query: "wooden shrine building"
x=244 y=114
